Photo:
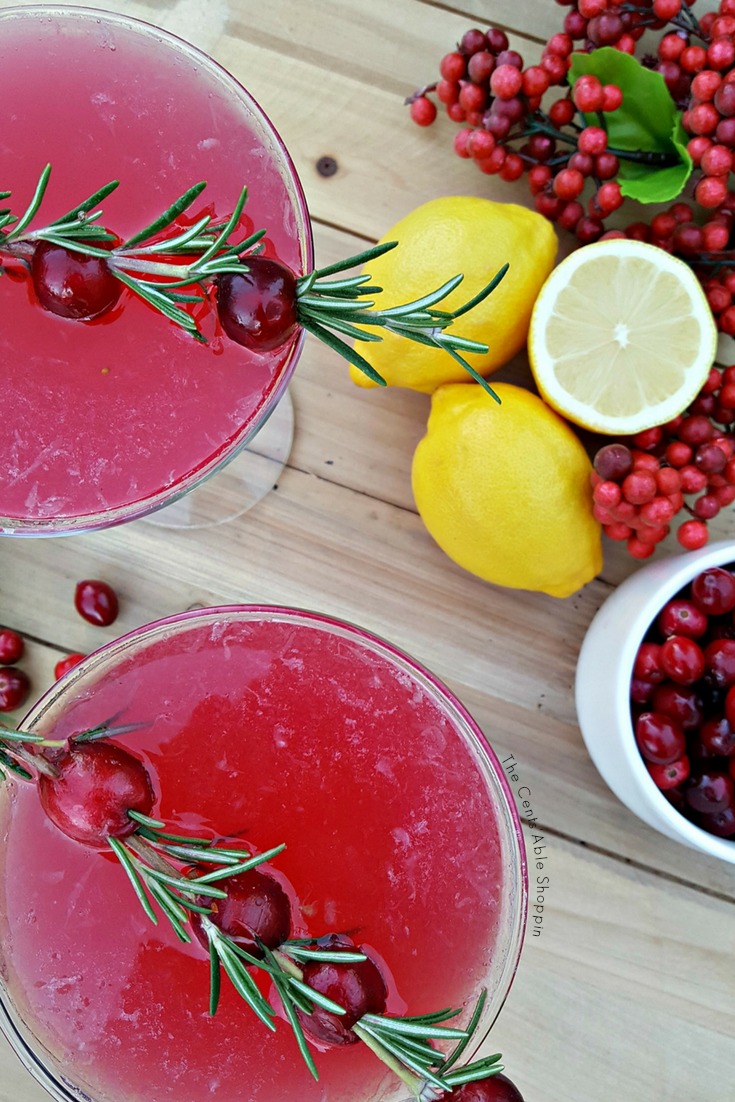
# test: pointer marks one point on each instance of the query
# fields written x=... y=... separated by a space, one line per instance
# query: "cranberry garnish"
x=682 y=617
x=498 y=1088
x=660 y=739
x=97 y=784
x=71 y=284
x=96 y=602
x=11 y=647
x=669 y=776
x=718 y=737
x=65 y=664
x=358 y=986
x=709 y=792
x=257 y=308
x=682 y=660
x=719 y=661
x=713 y=591
x=678 y=702
x=14 y=688
x=257 y=911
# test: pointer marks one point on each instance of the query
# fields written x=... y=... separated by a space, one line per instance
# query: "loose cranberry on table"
x=96 y=602
x=11 y=647
x=14 y=688
x=65 y=664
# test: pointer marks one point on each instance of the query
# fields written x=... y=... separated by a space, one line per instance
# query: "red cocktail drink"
x=268 y=726
x=105 y=420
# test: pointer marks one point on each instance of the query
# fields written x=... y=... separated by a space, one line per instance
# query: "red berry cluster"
x=683 y=701
x=640 y=485
x=485 y=87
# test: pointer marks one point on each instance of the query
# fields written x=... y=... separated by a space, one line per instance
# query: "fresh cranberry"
x=713 y=591
x=14 y=688
x=682 y=617
x=709 y=792
x=257 y=912
x=682 y=660
x=498 y=1088
x=719 y=662
x=96 y=602
x=669 y=776
x=718 y=737
x=641 y=691
x=660 y=739
x=65 y=664
x=729 y=706
x=682 y=704
x=358 y=986
x=712 y=698
x=71 y=284
x=647 y=665
x=97 y=785
x=257 y=308
x=676 y=798
x=11 y=647
x=721 y=823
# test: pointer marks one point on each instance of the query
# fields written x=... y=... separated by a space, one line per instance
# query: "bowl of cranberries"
x=655 y=693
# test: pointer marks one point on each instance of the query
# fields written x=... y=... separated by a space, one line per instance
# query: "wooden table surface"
x=630 y=987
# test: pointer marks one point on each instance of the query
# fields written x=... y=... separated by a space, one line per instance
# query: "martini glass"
x=108 y=420
x=273 y=725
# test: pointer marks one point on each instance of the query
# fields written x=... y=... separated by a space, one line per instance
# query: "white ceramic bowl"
x=604 y=671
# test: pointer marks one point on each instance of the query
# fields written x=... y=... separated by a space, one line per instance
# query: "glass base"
x=233 y=489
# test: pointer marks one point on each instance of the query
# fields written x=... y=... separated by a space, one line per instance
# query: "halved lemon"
x=621 y=337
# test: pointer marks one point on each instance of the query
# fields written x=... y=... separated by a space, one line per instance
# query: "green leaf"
x=647 y=121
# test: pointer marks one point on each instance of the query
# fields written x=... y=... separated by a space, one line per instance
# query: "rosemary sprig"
x=158 y=261
x=17 y=759
x=327 y=307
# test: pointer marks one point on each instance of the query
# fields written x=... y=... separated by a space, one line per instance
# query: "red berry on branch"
x=423 y=111
x=96 y=602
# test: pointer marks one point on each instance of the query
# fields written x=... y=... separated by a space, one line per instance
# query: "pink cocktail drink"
x=104 y=420
x=267 y=726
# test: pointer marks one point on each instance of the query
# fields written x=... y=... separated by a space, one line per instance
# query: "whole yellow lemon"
x=505 y=490
x=443 y=238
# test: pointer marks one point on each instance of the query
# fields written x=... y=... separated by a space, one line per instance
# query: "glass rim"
x=23 y=527
x=507 y=818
